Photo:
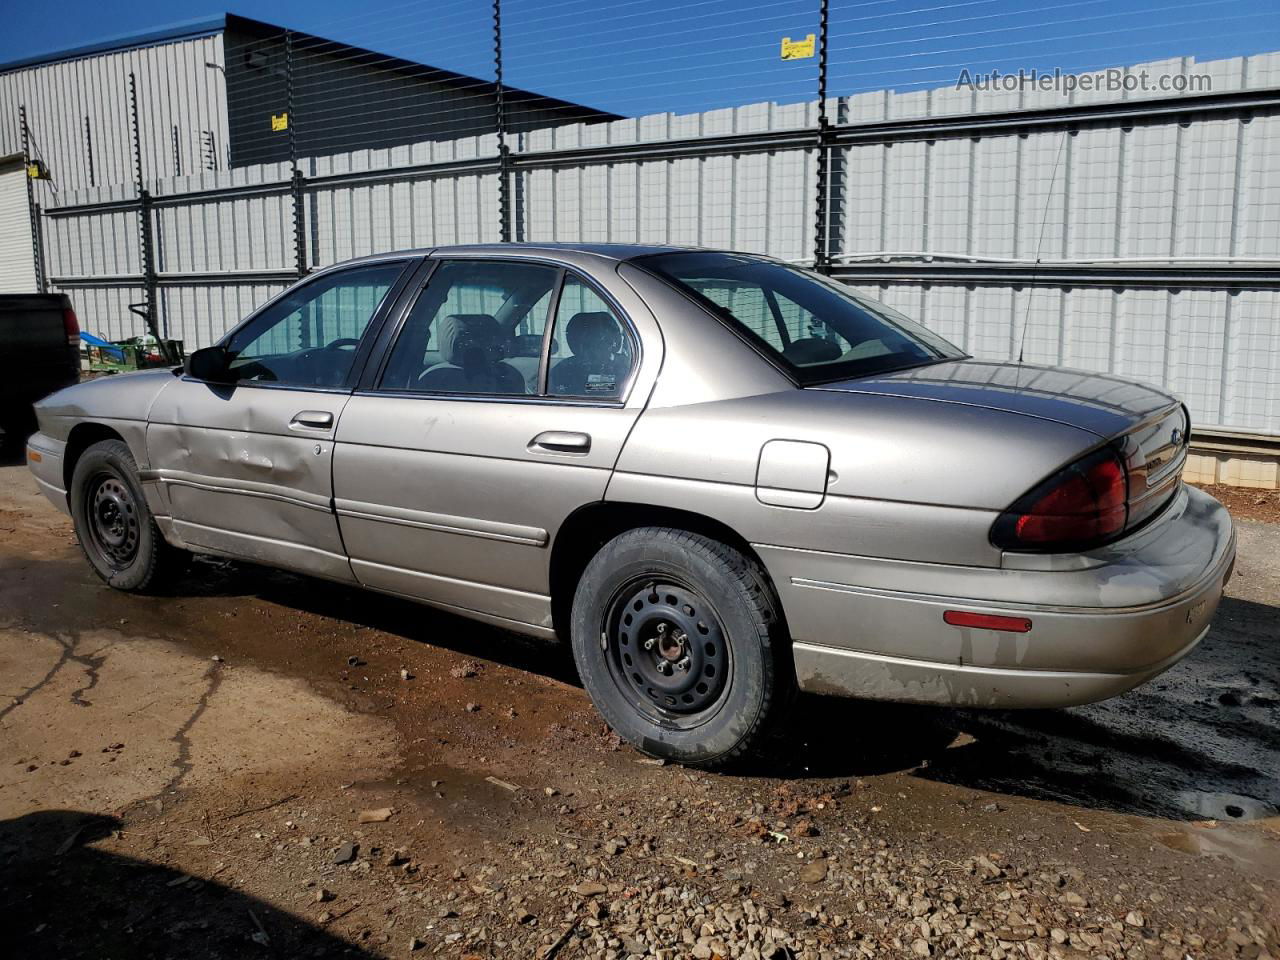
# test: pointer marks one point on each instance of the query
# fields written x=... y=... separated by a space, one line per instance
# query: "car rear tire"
x=678 y=643
x=115 y=527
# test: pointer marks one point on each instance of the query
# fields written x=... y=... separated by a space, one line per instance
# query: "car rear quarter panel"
x=908 y=479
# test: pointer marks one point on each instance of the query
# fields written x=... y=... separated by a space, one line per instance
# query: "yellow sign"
x=280 y=122
x=798 y=49
x=36 y=170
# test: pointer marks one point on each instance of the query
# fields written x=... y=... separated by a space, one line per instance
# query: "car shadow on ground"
x=66 y=898
x=375 y=611
x=1202 y=741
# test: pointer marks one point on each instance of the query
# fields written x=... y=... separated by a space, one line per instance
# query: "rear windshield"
x=817 y=328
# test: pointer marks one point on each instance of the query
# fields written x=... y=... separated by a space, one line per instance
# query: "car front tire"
x=115 y=527
x=678 y=643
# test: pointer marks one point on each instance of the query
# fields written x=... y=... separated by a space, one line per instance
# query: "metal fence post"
x=146 y=251
x=33 y=209
x=821 y=227
x=500 y=117
x=296 y=181
x=88 y=151
x=177 y=154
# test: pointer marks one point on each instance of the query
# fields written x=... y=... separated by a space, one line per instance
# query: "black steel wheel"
x=679 y=645
x=115 y=527
x=667 y=651
x=113 y=520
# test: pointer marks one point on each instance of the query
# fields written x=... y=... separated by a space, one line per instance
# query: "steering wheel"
x=342 y=342
x=253 y=370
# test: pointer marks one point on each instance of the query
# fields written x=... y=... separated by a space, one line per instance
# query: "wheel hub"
x=668 y=648
x=113 y=520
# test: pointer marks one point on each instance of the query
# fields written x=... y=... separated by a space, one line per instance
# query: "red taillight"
x=1083 y=505
x=72 y=327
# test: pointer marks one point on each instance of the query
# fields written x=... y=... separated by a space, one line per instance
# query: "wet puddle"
x=1255 y=845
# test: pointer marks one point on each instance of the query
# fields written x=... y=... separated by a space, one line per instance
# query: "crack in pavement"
x=182 y=763
x=90 y=661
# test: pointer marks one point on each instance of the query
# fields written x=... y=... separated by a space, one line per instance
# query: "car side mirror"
x=211 y=364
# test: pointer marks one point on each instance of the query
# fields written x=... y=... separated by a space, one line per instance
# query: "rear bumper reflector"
x=987 y=621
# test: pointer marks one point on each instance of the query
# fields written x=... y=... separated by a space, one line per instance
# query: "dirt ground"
x=1246 y=503
x=256 y=764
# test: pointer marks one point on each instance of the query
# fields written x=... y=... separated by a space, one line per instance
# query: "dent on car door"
x=456 y=463
x=246 y=466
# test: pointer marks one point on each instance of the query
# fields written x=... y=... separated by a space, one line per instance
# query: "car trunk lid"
x=1104 y=405
x=1149 y=427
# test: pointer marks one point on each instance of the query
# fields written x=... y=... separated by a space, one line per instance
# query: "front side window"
x=309 y=337
x=817 y=328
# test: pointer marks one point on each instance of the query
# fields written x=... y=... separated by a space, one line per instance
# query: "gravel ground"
x=260 y=765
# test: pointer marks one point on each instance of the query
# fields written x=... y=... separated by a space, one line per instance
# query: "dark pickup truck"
x=39 y=353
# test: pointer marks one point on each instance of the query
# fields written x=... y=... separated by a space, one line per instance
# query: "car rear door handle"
x=312 y=419
x=561 y=441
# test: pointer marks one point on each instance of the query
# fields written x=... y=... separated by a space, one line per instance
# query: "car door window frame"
x=410 y=267
x=369 y=383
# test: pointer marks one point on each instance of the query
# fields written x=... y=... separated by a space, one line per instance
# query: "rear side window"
x=815 y=327
x=476 y=329
x=593 y=353
x=486 y=327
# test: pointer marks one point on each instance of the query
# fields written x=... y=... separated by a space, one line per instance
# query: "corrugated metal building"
x=207 y=93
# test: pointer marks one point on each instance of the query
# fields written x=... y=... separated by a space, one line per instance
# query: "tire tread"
x=749 y=576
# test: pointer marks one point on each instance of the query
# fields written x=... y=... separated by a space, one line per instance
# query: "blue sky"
x=644 y=56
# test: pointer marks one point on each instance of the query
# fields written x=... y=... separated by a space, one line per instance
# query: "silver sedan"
x=720 y=477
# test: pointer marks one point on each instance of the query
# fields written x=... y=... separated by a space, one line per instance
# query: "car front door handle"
x=561 y=441
x=312 y=419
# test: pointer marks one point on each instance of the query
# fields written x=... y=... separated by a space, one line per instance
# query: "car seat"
x=473 y=348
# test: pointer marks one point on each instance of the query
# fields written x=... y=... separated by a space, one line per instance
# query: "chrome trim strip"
x=444 y=523
x=248 y=488
x=541 y=399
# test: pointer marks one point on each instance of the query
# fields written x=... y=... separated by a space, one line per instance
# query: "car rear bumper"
x=44 y=460
x=1102 y=622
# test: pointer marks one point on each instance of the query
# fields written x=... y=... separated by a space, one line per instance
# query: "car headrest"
x=811 y=350
x=470 y=336
x=530 y=345
x=593 y=334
